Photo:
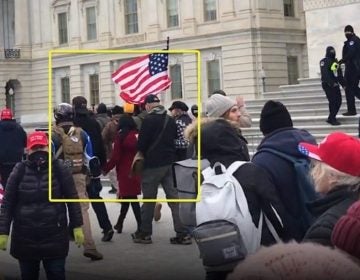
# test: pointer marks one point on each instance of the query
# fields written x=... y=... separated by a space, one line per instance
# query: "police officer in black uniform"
x=351 y=58
x=331 y=76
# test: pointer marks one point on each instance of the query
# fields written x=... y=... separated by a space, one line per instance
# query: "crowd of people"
x=309 y=192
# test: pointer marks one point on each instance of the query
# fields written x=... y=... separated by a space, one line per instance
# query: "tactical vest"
x=72 y=148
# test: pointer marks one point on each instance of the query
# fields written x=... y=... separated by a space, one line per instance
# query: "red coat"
x=122 y=157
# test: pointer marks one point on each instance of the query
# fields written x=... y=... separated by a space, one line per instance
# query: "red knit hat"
x=338 y=150
x=346 y=233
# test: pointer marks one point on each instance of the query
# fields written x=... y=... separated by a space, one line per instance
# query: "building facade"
x=242 y=44
x=325 y=22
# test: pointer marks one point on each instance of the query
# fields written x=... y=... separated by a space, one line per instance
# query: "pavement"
x=124 y=259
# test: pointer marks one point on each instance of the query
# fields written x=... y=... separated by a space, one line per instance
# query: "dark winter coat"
x=12 y=142
x=39 y=227
x=328 y=211
x=327 y=75
x=122 y=157
x=351 y=57
x=220 y=143
x=282 y=173
x=164 y=152
x=102 y=120
x=92 y=128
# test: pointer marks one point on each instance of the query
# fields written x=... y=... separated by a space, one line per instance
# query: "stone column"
x=74 y=18
x=106 y=84
x=189 y=19
x=227 y=10
x=75 y=81
x=104 y=10
x=22 y=28
x=151 y=24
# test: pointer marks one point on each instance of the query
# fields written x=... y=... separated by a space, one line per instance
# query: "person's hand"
x=79 y=236
x=240 y=101
x=3 y=241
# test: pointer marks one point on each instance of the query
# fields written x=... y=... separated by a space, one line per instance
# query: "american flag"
x=1 y=193
x=142 y=76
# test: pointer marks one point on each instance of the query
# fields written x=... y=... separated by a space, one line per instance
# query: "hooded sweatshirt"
x=220 y=142
x=282 y=172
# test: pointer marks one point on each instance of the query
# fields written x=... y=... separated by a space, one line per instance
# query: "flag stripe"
x=131 y=65
x=133 y=82
x=142 y=76
x=148 y=83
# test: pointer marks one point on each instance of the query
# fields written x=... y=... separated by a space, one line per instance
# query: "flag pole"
x=167 y=43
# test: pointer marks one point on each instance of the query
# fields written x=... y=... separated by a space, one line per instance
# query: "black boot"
x=119 y=225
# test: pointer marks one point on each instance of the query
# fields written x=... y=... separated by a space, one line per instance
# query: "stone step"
x=300 y=121
x=254 y=131
x=298 y=93
x=300 y=87
x=296 y=104
x=321 y=111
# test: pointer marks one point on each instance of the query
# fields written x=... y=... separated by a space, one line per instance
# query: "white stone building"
x=325 y=22
x=240 y=42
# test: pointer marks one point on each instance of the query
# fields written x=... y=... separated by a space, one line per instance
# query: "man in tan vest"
x=74 y=146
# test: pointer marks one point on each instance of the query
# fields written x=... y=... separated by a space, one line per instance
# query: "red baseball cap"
x=37 y=138
x=6 y=114
x=338 y=150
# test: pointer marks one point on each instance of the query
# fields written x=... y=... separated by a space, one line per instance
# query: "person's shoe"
x=112 y=190
x=140 y=237
x=349 y=114
x=108 y=235
x=182 y=240
x=118 y=227
x=157 y=212
x=335 y=122
x=93 y=254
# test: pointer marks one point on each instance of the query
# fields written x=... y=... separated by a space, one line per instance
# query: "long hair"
x=125 y=125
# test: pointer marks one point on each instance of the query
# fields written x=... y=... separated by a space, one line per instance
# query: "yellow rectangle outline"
x=50 y=112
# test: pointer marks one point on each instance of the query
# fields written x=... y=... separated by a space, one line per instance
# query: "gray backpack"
x=185 y=180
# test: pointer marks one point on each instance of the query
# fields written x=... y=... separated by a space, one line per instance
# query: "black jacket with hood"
x=327 y=75
x=220 y=142
x=328 y=210
x=282 y=173
x=12 y=142
x=164 y=152
x=39 y=227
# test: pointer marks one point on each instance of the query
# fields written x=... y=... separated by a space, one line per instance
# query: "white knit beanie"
x=217 y=105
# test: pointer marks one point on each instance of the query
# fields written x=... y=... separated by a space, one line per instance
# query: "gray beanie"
x=217 y=105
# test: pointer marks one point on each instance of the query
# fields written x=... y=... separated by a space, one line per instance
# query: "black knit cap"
x=349 y=28
x=274 y=115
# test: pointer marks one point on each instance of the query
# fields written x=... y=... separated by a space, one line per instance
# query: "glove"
x=79 y=236
x=3 y=241
x=334 y=67
x=95 y=167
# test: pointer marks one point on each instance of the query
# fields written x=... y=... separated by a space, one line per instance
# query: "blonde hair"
x=321 y=170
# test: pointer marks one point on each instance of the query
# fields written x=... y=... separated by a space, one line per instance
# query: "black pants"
x=333 y=95
x=5 y=170
x=352 y=90
x=93 y=190
x=125 y=207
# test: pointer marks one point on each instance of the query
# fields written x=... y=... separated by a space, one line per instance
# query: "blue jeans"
x=54 y=268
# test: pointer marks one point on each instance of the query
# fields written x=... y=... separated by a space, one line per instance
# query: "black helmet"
x=194 y=110
x=63 y=112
